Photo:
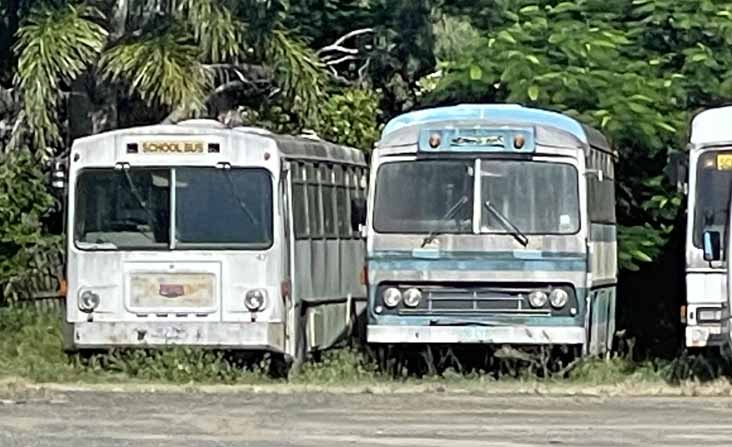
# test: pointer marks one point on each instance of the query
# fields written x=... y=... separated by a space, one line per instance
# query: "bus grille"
x=474 y=300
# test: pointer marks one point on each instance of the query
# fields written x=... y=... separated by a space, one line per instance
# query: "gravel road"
x=74 y=419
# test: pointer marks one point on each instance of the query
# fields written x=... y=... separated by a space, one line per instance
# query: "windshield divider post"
x=477 y=207
x=172 y=238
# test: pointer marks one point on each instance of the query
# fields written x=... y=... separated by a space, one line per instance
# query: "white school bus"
x=200 y=235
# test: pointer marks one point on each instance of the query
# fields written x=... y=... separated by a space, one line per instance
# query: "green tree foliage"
x=24 y=202
x=54 y=46
x=174 y=55
x=633 y=68
x=349 y=118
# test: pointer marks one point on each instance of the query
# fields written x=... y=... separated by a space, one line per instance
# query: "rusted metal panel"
x=249 y=335
x=498 y=334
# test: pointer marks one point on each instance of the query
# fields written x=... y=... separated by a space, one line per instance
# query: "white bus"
x=706 y=177
x=200 y=235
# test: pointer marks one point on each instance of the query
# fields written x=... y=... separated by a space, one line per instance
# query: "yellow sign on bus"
x=172 y=147
x=724 y=162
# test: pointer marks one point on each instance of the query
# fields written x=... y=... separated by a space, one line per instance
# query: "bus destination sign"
x=172 y=147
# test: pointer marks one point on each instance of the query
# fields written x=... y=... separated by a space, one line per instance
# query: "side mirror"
x=358 y=213
x=677 y=170
x=712 y=246
x=58 y=175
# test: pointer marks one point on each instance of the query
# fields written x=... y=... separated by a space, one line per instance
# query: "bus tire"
x=301 y=344
x=67 y=331
x=279 y=365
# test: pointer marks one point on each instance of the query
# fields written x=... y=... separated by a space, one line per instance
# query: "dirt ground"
x=66 y=418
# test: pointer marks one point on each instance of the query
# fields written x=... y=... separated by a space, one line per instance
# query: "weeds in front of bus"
x=31 y=348
x=340 y=366
x=177 y=365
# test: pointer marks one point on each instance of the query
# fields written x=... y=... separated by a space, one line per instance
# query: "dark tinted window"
x=123 y=209
x=224 y=206
x=601 y=200
x=713 y=190
x=415 y=196
x=536 y=197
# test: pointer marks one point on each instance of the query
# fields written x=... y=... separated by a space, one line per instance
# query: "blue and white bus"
x=492 y=224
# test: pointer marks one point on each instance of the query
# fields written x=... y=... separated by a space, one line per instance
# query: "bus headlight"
x=538 y=298
x=254 y=300
x=412 y=297
x=88 y=301
x=391 y=297
x=558 y=298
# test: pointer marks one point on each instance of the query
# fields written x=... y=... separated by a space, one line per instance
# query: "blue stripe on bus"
x=480 y=255
x=492 y=261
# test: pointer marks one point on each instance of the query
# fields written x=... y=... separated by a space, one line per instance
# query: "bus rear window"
x=214 y=208
x=123 y=209
x=230 y=207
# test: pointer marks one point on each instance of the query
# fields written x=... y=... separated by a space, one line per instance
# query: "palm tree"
x=175 y=55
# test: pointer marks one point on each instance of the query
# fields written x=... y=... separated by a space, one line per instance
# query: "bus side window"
x=299 y=201
x=352 y=187
x=342 y=209
x=315 y=201
x=328 y=187
x=601 y=194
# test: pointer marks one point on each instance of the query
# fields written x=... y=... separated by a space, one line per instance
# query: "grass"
x=31 y=350
x=31 y=347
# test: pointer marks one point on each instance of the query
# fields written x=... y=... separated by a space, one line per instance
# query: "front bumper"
x=245 y=335
x=520 y=335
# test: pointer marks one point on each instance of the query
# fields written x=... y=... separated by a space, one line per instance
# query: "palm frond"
x=298 y=71
x=160 y=68
x=214 y=27
x=55 y=45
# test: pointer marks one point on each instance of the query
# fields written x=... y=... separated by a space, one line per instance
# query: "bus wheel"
x=68 y=338
x=282 y=366
x=301 y=345
x=279 y=365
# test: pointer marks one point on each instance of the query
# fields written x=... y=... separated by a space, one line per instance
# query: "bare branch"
x=337 y=45
x=340 y=60
x=337 y=53
x=362 y=70
x=337 y=48
x=337 y=76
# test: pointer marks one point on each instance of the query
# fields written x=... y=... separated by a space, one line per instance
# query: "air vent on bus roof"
x=202 y=123
x=310 y=134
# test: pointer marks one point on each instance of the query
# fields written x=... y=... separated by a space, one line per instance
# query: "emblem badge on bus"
x=171 y=290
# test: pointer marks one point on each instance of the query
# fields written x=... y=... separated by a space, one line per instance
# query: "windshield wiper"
x=513 y=229
x=238 y=198
x=451 y=212
x=138 y=197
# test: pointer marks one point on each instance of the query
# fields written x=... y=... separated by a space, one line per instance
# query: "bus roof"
x=711 y=126
x=302 y=147
x=498 y=114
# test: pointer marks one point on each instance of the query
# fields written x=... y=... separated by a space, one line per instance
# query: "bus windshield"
x=421 y=197
x=713 y=189
x=536 y=197
x=517 y=197
x=214 y=208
